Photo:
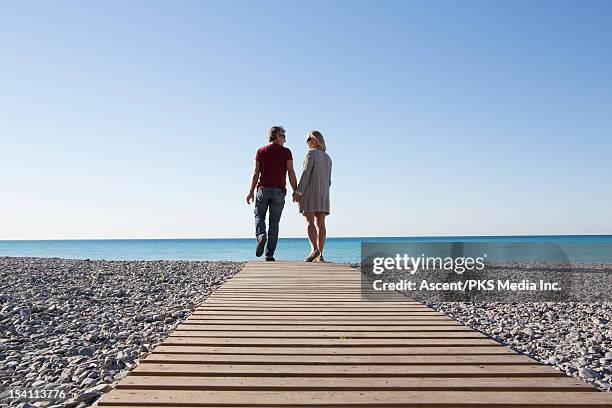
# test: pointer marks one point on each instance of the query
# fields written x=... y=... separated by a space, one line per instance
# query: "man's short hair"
x=274 y=132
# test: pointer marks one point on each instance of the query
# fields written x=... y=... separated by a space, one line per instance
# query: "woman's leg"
x=311 y=229
x=322 y=232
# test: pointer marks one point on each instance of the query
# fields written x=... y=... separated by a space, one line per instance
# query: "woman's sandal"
x=319 y=258
x=314 y=254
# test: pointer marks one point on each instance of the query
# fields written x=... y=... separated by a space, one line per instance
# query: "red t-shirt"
x=272 y=160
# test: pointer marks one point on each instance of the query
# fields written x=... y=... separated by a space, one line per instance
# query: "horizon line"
x=302 y=237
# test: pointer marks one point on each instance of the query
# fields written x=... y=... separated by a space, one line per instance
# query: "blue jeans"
x=273 y=198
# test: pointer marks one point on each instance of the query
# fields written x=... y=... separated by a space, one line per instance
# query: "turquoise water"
x=579 y=248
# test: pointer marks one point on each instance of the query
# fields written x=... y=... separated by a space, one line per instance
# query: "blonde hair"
x=316 y=135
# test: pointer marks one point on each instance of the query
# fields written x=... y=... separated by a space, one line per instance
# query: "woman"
x=312 y=193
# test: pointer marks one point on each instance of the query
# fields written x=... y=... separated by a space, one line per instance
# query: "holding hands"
x=296 y=197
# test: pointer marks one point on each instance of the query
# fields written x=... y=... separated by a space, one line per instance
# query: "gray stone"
x=38 y=384
x=87 y=396
x=586 y=372
x=102 y=387
x=70 y=403
x=88 y=382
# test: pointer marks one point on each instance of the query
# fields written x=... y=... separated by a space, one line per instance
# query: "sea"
x=577 y=248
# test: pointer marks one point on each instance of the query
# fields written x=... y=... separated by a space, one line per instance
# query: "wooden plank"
x=292 y=299
x=417 y=327
x=313 y=311
x=290 y=322
x=305 y=315
x=310 y=370
x=246 y=334
x=344 y=342
x=285 y=294
x=501 y=359
x=355 y=302
x=328 y=351
x=311 y=288
x=356 y=399
x=356 y=306
x=303 y=320
x=303 y=308
x=299 y=287
x=355 y=384
x=317 y=316
x=279 y=297
x=306 y=276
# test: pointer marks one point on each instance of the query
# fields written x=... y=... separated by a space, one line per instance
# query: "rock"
x=586 y=372
x=70 y=403
x=87 y=396
x=101 y=388
x=88 y=382
x=86 y=351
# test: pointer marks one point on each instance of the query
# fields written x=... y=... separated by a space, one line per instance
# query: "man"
x=272 y=163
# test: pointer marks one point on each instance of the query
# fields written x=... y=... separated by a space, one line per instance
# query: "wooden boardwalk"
x=299 y=335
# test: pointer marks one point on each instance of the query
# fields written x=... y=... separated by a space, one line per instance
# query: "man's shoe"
x=312 y=255
x=261 y=244
x=270 y=259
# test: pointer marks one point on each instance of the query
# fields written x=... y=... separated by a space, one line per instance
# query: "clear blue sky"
x=140 y=119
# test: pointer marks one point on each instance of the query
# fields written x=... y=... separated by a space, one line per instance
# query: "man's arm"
x=254 y=180
x=292 y=177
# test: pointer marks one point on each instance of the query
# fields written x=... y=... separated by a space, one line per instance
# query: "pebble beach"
x=79 y=326
x=574 y=337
